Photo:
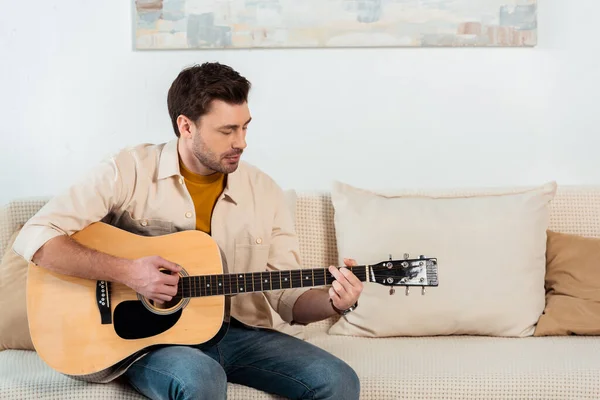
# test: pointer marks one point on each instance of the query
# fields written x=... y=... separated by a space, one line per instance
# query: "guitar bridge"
x=103 y=301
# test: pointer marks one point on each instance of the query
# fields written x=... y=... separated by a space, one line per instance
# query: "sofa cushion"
x=14 y=330
x=573 y=286
x=490 y=247
x=469 y=367
x=454 y=367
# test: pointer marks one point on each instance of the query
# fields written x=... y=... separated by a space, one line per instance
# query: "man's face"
x=219 y=137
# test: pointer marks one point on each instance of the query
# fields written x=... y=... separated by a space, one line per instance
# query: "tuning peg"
x=406 y=256
x=392 y=291
x=422 y=290
x=407 y=290
x=422 y=257
x=390 y=257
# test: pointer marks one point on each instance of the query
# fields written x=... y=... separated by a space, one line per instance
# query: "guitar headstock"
x=407 y=272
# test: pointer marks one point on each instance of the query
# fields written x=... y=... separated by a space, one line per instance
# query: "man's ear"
x=185 y=126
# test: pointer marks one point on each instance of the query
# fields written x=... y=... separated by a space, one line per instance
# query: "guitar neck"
x=249 y=282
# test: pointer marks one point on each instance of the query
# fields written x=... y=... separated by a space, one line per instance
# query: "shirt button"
x=259 y=240
x=144 y=223
x=188 y=214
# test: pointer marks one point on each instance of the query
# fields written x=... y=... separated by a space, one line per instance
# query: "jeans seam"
x=221 y=357
x=181 y=384
x=310 y=391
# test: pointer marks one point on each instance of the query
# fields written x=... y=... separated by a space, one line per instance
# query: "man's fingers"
x=171 y=279
x=161 y=297
x=333 y=295
x=169 y=290
x=350 y=262
x=345 y=277
x=340 y=290
x=337 y=275
x=352 y=279
x=168 y=265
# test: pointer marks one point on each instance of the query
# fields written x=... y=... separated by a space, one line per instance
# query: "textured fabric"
x=463 y=367
x=141 y=190
x=491 y=253
x=316 y=232
x=14 y=331
x=576 y=210
x=390 y=369
x=573 y=286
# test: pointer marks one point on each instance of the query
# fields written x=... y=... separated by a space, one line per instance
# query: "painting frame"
x=281 y=24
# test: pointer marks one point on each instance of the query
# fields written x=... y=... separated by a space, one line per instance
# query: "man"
x=197 y=181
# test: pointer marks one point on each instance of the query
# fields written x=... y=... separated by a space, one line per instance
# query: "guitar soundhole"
x=132 y=320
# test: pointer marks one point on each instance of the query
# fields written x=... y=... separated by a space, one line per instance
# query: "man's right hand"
x=145 y=277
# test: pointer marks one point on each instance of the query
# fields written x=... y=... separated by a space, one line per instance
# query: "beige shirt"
x=142 y=190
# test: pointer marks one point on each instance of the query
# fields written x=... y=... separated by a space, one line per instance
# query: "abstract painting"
x=214 y=24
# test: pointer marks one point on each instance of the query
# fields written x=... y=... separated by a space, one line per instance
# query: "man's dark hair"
x=195 y=87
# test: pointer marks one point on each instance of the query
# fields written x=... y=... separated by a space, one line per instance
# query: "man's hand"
x=346 y=289
x=315 y=305
x=146 y=278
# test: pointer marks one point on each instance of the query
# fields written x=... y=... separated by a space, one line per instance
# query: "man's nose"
x=240 y=141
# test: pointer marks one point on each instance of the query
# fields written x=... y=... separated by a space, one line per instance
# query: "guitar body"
x=79 y=331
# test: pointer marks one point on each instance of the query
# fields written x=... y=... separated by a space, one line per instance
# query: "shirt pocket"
x=251 y=253
x=145 y=226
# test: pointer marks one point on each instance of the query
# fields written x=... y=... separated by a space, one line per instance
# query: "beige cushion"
x=573 y=286
x=14 y=330
x=490 y=247
x=429 y=368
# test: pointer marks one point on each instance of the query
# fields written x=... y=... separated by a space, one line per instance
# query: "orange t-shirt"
x=205 y=190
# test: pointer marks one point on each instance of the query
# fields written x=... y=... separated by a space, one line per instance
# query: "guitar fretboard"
x=212 y=285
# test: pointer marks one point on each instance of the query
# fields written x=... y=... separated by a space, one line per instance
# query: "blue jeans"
x=263 y=359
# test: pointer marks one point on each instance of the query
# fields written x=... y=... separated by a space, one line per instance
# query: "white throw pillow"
x=490 y=245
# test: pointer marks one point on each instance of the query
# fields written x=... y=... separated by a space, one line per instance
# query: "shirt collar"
x=168 y=166
x=168 y=163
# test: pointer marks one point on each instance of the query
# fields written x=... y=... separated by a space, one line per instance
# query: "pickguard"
x=134 y=321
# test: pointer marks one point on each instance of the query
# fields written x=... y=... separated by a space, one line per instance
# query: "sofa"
x=423 y=360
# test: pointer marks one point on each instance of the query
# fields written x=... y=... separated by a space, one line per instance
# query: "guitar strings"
x=124 y=289
x=231 y=281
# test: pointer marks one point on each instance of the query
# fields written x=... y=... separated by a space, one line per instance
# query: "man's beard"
x=211 y=160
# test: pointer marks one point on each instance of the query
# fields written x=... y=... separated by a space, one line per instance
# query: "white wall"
x=72 y=91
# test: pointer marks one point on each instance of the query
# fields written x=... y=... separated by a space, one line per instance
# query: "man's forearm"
x=68 y=257
x=312 y=306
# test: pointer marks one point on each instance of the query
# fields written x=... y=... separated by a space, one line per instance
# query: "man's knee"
x=201 y=380
x=179 y=373
x=337 y=380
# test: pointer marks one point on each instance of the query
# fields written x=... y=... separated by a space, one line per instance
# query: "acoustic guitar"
x=92 y=330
